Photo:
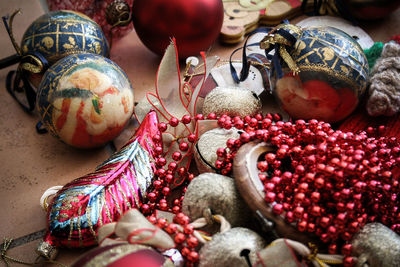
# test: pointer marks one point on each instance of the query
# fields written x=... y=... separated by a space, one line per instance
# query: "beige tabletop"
x=30 y=163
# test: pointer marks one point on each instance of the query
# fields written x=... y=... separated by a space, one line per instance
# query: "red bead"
x=349 y=262
x=173 y=122
x=161 y=161
x=171 y=228
x=277 y=209
x=179 y=238
x=324 y=222
x=298 y=212
x=163 y=206
x=199 y=117
x=302 y=226
x=192 y=242
x=186 y=119
x=211 y=116
x=346 y=249
x=332 y=249
x=193 y=256
x=145 y=209
x=182 y=171
x=169 y=178
x=172 y=166
x=262 y=166
x=162 y=222
x=183 y=146
x=188 y=229
x=192 y=138
x=162 y=126
x=158 y=150
x=315 y=197
x=176 y=209
x=270 y=197
x=166 y=191
x=244 y=137
x=176 y=156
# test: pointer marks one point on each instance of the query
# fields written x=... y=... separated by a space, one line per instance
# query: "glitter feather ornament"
x=101 y=197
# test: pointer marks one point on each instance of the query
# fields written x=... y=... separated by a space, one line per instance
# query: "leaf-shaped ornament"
x=101 y=197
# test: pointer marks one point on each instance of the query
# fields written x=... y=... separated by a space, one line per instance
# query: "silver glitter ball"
x=219 y=194
x=227 y=248
x=376 y=245
x=205 y=153
x=232 y=101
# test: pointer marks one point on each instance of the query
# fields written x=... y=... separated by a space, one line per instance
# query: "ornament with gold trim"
x=85 y=100
x=48 y=39
x=316 y=72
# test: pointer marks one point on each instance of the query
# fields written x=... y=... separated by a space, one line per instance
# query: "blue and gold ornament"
x=50 y=38
x=317 y=72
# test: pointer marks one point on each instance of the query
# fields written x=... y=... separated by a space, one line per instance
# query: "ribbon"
x=134 y=228
x=279 y=39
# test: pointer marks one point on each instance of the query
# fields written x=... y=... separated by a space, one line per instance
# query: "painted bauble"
x=227 y=248
x=232 y=101
x=371 y=9
x=217 y=193
x=195 y=24
x=121 y=255
x=58 y=34
x=205 y=152
x=98 y=11
x=332 y=74
x=85 y=100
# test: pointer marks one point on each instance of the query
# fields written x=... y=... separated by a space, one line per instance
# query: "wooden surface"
x=31 y=163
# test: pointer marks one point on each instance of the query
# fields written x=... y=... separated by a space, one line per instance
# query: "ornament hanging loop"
x=8 y=26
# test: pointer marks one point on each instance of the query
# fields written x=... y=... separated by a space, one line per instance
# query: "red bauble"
x=195 y=24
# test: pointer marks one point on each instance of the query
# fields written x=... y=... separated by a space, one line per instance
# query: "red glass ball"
x=195 y=24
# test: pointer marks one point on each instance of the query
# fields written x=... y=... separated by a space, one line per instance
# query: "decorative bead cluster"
x=168 y=177
x=323 y=181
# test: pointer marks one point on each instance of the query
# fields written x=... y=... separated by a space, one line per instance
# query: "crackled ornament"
x=103 y=196
x=85 y=100
x=317 y=72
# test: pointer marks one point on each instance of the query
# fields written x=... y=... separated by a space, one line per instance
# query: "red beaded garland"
x=323 y=181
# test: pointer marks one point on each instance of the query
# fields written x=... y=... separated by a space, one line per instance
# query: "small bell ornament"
x=376 y=245
x=217 y=193
x=235 y=247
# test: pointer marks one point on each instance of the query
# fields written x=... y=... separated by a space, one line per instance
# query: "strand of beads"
x=166 y=177
x=324 y=182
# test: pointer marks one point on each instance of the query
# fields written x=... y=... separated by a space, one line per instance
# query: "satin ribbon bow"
x=279 y=39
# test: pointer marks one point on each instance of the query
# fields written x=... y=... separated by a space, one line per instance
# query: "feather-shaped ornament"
x=103 y=196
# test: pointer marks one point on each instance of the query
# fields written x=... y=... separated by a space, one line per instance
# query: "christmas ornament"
x=231 y=101
x=357 y=33
x=321 y=68
x=113 y=16
x=210 y=192
x=286 y=252
x=49 y=38
x=101 y=197
x=231 y=248
x=314 y=182
x=371 y=9
x=384 y=91
x=205 y=153
x=195 y=24
x=376 y=245
x=85 y=100
x=123 y=255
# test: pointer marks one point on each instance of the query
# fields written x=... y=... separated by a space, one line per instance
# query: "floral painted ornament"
x=85 y=100
x=101 y=197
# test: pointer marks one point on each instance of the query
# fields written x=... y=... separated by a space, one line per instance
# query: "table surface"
x=31 y=163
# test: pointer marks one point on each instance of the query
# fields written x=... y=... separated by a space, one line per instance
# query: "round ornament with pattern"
x=85 y=100
x=317 y=72
x=57 y=34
